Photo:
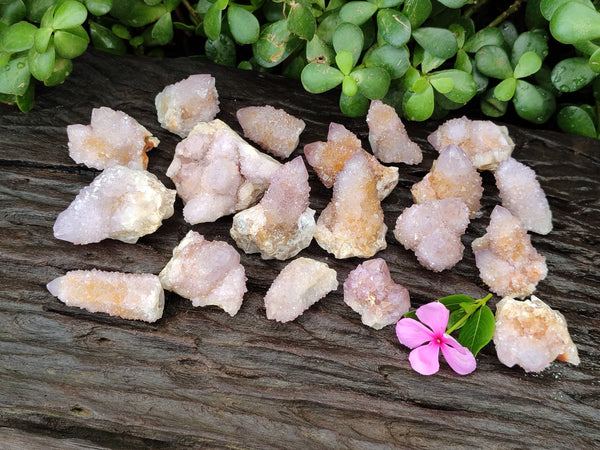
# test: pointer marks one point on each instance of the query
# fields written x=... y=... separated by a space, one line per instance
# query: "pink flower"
x=427 y=341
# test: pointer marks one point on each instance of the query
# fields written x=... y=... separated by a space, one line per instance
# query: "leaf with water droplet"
x=575 y=120
x=15 y=76
x=572 y=74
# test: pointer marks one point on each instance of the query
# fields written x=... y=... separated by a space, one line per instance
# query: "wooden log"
x=199 y=378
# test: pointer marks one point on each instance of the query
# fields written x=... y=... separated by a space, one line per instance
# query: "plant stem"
x=463 y=319
x=511 y=9
x=191 y=10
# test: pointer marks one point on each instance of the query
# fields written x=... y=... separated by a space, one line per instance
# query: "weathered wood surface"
x=197 y=377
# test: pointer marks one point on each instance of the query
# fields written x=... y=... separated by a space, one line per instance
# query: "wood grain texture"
x=199 y=378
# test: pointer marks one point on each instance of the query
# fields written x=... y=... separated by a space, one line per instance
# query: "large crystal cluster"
x=207 y=273
x=531 y=334
x=127 y=295
x=329 y=158
x=121 y=203
x=276 y=131
x=300 y=284
x=370 y=291
x=112 y=138
x=352 y=223
x=388 y=137
x=180 y=106
x=484 y=142
x=433 y=231
x=506 y=260
x=452 y=175
x=217 y=173
x=282 y=224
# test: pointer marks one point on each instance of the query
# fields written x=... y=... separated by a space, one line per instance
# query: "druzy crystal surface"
x=112 y=138
x=388 y=137
x=523 y=196
x=329 y=158
x=217 y=173
x=506 y=260
x=127 y=295
x=206 y=272
x=370 y=291
x=300 y=284
x=352 y=223
x=180 y=106
x=433 y=231
x=120 y=203
x=274 y=130
x=484 y=142
x=531 y=334
x=282 y=224
x=452 y=175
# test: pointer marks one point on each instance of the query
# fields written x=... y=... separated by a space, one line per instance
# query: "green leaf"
x=393 y=27
x=453 y=302
x=528 y=64
x=222 y=50
x=318 y=51
x=509 y=32
x=212 y=22
x=104 y=39
x=417 y=11
x=493 y=62
x=453 y=3
x=549 y=7
x=69 y=14
x=62 y=69
x=418 y=106
x=15 y=76
x=25 y=101
x=442 y=84
x=491 y=106
x=357 y=12
x=574 y=22
x=121 y=31
x=505 y=89
x=317 y=78
x=439 y=42
x=348 y=37
x=429 y=61
x=381 y=4
x=393 y=59
x=464 y=86
x=345 y=61
x=533 y=103
x=99 y=7
x=572 y=74
x=42 y=39
x=355 y=106
x=574 y=120
x=530 y=41
x=412 y=314
x=454 y=318
x=594 y=61
x=12 y=12
x=301 y=20
x=243 y=25
x=478 y=330
x=136 y=13
x=275 y=44
x=162 y=30
x=420 y=85
x=460 y=34
x=41 y=64
x=4 y=59
x=327 y=26
x=349 y=86
x=71 y=43
x=18 y=37
x=373 y=82
x=484 y=37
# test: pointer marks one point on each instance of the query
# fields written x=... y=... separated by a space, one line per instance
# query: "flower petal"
x=458 y=357
x=412 y=333
x=435 y=315
x=425 y=359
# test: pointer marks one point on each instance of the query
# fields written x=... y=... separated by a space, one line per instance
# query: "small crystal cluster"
x=127 y=295
x=300 y=284
x=329 y=158
x=433 y=231
x=370 y=291
x=484 y=142
x=276 y=131
x=207 y=273
x=506 y=260
x=282 y=224
x=180 y=106
x=388 y=137
x=452 y=175
x=217 y=173
x=531 y=334
x=112 y=138
x=120 y=203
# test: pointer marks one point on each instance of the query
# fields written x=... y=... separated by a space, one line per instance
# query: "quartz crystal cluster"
x=217 y=173
x=506 y=260
x=388 y=137
x=180 y=106
x=274 y=130
x=207 y=273
x=370 y=291
x=120 y=203
x=282 y=223
x=452 y=175
x=329 y=158
x=484 y=142
x=531 y=334
x=523 y=196
x=112 y=138
x=300 y=284
x=433 y=231
x=127 y=295
x=352 y=223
